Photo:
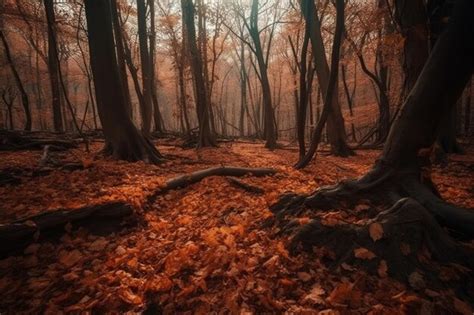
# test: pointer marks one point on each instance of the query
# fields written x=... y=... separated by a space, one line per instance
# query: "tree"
x=308 y=9
x=19 y=83
x=398 y=175
x=206 y=137
x=123 y=140
x=157 y=117
x=146 y=109
x=335 y=124
x=53 y=66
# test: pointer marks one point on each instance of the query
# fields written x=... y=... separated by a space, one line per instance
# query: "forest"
x=237 y=156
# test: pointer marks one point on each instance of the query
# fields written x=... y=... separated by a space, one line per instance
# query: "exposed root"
x=410 y=236
x=414 y=233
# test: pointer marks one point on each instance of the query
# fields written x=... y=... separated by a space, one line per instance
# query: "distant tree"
x=123 y=140
x=19 y=83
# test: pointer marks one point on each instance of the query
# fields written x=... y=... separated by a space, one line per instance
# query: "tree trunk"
x=413 y=20
x=121 y=55
x=308 y=7
x=123 y=140
x=157 y=117
x=397 y=178
x=269 y=128
x=146 y=109
x=206 y=137
x=19 y=84
x=53 y=67
x=335 y=123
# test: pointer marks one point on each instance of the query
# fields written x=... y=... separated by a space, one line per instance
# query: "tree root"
x=408 y=236
x=413 y=226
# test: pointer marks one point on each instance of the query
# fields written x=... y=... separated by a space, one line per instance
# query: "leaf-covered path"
x=202 y=248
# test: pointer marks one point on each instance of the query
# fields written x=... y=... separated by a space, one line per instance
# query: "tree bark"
x=121 y=55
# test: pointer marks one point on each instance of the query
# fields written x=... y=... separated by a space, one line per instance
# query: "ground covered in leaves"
x=202 y=248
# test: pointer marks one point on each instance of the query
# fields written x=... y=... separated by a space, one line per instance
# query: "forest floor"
x=202 y=248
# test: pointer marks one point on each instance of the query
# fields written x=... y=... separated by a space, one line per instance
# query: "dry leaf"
x=376 y=231
x=129 y=297
x=304 y=276
x=341 y=294
x=364 y=253
x=382 y=269
x=315 y=296
x=69 y=259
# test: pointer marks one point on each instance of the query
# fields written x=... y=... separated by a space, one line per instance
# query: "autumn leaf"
x=382 y=269
x=376 y=231
x=364 y=253
x=462 y=307
x=129 y=297
x=315 y=295
x=341 y=293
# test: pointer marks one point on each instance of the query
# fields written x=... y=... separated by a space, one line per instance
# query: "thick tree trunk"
x=19 y=83
x=53 y=67
x=123 y=140
x=206 y=137
x=413 y=20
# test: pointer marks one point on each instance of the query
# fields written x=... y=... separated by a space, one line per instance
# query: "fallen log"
x=20 y=233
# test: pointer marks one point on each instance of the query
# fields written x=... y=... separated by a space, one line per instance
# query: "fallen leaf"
x=315 y=296
x=376 y=231
x=304 y=276
x=382 y=269
x=341 y=293
x=364 y=253
x=129 y=297
x=71 y=258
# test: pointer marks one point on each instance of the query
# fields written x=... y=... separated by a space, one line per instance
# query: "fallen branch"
x=245 y=186
x=24 y=231
x=189 y=179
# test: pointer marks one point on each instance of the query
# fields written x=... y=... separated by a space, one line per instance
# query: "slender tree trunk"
x=335 y=124
x=19 y=84
x=53 y=67
x=123 y=140
x=269 y=127
x=309 y=13
x=146 y=109
x=206 y=137
x=157 y=117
